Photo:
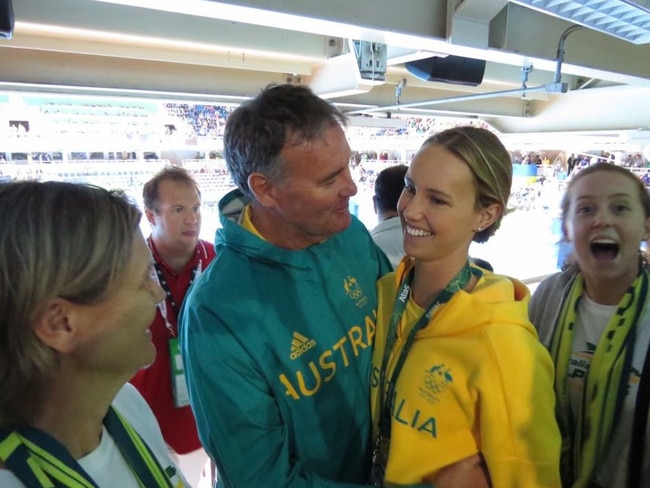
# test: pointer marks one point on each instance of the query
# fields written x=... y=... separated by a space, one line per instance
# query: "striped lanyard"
x=162 y=281
x=40 y=461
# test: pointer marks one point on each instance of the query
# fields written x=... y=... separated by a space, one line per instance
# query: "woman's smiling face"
x=438 y=205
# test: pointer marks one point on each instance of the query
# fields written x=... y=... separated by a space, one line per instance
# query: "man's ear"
x=54 y=327
x=263 y=189
x=151 y=217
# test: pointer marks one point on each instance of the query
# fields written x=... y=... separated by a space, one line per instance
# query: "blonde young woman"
x=77 y=295
x=594 y=318
x=459 y=376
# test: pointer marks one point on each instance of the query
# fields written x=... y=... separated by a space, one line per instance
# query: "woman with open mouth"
x=593 y=317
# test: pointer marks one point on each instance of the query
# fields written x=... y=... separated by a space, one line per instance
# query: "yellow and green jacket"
x=475 y=380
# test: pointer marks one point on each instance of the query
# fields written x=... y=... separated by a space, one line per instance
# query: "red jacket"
x=154 y=383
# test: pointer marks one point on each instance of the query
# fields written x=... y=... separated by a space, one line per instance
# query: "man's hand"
x=469 y=472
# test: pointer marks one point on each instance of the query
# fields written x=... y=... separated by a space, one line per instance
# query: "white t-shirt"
x=105 y=464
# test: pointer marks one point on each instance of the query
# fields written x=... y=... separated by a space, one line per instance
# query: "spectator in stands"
x=571 y=162
x=646 y=178
x=388 y=233
x=458 y=372
x=172 y=203
x=594 y=318
x=277 y=333
x=77 y=295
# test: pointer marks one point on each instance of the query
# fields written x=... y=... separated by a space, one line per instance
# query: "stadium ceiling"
x=544 y=68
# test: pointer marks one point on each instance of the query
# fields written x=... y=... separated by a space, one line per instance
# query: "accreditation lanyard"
x=162 y=281
x=40 y=461
x=459 y=282
x=179 y=384
x=387 y=386
x=169 y=297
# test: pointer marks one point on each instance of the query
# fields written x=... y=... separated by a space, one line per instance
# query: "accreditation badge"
x=179 y=386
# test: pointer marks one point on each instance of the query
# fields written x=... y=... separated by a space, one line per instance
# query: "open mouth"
x=604 y=249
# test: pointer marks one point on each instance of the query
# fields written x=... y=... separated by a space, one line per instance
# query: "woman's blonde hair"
x=490 y=164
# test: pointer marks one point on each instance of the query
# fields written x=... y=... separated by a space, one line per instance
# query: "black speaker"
x=6 y=19
x=452 y=69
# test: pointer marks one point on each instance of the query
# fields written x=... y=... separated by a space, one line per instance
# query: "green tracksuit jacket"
x=277 y=350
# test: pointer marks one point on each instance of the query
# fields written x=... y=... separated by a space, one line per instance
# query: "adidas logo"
x=300 y=344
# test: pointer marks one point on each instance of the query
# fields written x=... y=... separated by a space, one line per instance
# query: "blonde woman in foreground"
x=77 y=295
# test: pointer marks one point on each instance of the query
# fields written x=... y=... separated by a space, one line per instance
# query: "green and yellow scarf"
x=40 y=461
x=585 y=439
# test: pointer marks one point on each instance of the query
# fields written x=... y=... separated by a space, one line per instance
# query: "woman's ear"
x=54 y=327
x=488 y=215
x=566 y=232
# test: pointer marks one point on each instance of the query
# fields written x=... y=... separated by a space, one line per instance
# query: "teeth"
x=603 y=241
x=412 y=231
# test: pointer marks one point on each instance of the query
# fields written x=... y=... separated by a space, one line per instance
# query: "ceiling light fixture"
x=124 y=93
x=93 y=35
x=624 y=19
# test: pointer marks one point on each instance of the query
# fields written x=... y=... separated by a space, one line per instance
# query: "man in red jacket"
x=172 y=204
